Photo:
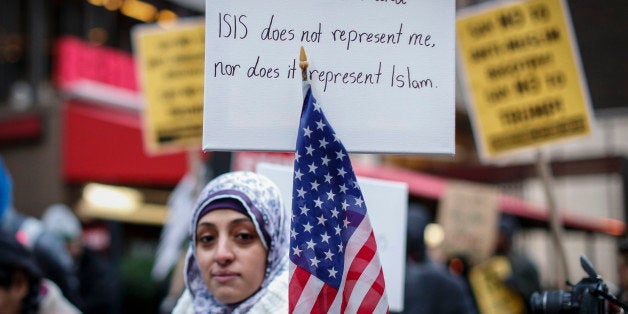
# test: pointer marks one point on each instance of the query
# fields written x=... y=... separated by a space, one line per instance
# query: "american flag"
x=334 y=265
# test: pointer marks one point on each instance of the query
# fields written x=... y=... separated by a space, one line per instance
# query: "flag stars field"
x=321 y=220
x=307 y=227
x=328 y=178
x=296 y=251
x=304 y=210
x=318 y=203
x=310 y=244
x=359 y=201
x=344 y=204
x=330 y=195
x=323 y=143
x=343 y=188
x=317 y=107
x=307 y=132
x=325 y=161
x=312 y=167
x=325 y=237
x=301 y=192
x=329 y=255
x=341 y=172
x=310 y=150
x=298 y=174
x=332 y=272
x=320 y=125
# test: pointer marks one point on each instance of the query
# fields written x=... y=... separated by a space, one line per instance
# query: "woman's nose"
x=224 y=252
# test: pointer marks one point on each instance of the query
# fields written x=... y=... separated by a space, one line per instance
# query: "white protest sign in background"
x=383 y=72
x=387 y=207
x=469 y=215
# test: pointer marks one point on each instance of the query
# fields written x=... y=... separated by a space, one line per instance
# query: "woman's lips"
x=224 y=276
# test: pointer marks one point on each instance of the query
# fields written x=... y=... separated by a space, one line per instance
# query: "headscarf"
x=60 y=219
x=263 y=203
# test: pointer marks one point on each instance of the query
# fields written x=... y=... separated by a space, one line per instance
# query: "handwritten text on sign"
x=383 y=72
x=523 y=75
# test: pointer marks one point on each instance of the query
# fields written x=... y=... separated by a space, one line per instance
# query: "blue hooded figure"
x=6 y=189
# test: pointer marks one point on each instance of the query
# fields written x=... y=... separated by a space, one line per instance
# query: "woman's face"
x=230 y=254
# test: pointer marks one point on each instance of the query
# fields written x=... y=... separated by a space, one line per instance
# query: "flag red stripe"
x=297 y=283
x=325 y=299
x=372 y=297
x=360 y=262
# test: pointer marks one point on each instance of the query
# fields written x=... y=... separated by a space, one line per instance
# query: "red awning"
x=433 y=187
x=104 y=144
x=19 y=127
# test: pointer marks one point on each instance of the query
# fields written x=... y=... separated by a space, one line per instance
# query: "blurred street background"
x=71 y=125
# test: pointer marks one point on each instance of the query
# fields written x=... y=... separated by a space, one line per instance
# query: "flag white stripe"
x=309 y=294
x=364 y=285
x=371 y=270
x=358 y=238
x=382 y=305
x=336 y=306
x=291 y=268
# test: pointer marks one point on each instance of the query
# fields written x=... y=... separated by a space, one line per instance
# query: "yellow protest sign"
x=522 y=75
x=491 y=294
x=170 y=63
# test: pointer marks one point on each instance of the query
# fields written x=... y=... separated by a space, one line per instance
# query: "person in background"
x=48 y=249
x=622 y=293
x=429 y=286
x=460 y=266
x=237 y=261
x=97 y=281
x=23 y=289
x=525 y=276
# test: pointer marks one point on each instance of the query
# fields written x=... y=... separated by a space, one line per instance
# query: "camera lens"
x=550 y=302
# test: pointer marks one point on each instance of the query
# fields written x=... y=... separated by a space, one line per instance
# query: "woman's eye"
x=245 y=236
x=205 y=239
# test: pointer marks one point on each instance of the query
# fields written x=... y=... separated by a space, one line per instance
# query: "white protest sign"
x=387 y=204
x=469 y=215
x=383 y=72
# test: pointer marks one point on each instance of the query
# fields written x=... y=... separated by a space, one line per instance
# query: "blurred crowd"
x=437 y=283
x=47 y=267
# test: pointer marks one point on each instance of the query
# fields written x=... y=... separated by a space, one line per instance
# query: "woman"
x=237 y=261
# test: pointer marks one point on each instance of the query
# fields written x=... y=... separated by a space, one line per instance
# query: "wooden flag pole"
x=545 y=173
x=303 y=64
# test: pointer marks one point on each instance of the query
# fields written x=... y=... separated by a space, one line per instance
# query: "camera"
x=588 y=296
